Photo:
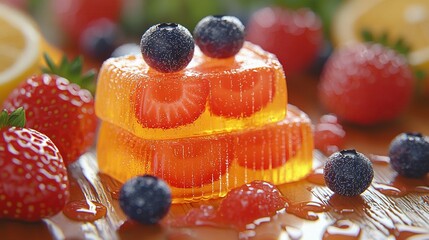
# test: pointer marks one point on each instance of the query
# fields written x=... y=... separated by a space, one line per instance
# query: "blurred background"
x=303 y=34
x=97 y=27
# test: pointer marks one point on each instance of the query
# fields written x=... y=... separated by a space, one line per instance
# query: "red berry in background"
x=294 y=36
x=33 y=179
x=366 y=84
x=329 y=135
x=74 y=16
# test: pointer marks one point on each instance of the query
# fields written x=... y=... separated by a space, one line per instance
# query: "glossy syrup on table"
x=379 y=216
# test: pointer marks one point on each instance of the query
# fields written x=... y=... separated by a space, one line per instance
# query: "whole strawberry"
x=60 y=109
x=33 y=177
x=294 y=36
x=366 y=84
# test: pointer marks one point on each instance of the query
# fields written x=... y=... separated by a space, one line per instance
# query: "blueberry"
x=219 y=36
x=409 y=155
x=348 y=173
x=99 y=39
x=145 y=199
x=167 y=47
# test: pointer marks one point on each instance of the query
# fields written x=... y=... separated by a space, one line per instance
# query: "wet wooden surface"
x=392 y=208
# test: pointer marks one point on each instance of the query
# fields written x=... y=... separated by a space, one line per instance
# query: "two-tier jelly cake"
x=236 y=126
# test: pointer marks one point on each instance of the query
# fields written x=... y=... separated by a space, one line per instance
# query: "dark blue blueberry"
x=100 y=39
x=348 y=173
x=167 y=47
x=409 y=155
x=145 y=199
x=219 y=36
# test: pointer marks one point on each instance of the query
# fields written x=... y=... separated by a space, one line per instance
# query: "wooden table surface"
x=373 y=215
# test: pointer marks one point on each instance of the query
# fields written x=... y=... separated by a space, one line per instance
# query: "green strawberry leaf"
x=14 y=119
x=399 y=45
x=72 y=71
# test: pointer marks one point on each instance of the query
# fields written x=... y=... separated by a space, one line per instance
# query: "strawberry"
x=60 y=109
x=366 y=84
x=171 y=102
x=241 y=95
x=294 y=36
x=33 y=177
x=189 y=163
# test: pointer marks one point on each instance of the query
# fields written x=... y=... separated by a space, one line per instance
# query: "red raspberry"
x=249 y=202
x=366 y=84
x=329 y=134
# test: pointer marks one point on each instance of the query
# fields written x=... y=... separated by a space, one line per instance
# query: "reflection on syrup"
x=13 y=229
x=379 y=159
x=401 y=186
x=84 y=210
x=111 y=184
x=292 y=232
x=307 y=210
x=344 y=205
x=316 y=177
x=342 y=230
x=402 y=232
x=426 y=199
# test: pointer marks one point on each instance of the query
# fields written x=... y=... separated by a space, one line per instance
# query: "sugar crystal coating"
x=219 y=36
x=167 y=47
x=409 y=154
x=145 y=199
x=348 y=173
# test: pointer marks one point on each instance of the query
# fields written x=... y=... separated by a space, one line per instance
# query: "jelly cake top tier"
x=209 y=96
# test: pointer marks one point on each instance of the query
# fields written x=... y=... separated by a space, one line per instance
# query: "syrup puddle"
x=402 y=232
x=292 y=232
x=426 y=199
x=342 y=230
x=84 y=210
x=344 y=205
x=379 y=159
x=307 y=210
x=401 y=186
x=316 y=177
x=112 y=185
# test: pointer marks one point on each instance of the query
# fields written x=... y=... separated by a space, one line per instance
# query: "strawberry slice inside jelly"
x=241 y=94
x=170 y=102
x=190 y=162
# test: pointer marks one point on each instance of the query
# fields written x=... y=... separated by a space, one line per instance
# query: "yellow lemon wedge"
x=21 y=49
x=398 y=19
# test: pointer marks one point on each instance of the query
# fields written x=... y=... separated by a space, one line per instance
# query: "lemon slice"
x=406 y=19
x=20 y=49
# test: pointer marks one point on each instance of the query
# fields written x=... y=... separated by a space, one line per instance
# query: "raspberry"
x=249 y=202
x=329 y=134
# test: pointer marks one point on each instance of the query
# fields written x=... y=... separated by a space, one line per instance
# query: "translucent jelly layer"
x=208 y=96
x=207 y=167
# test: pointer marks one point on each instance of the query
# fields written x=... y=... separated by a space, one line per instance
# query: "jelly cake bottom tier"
x=207 y=167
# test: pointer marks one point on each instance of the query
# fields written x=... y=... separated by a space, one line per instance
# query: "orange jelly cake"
x=204 y=124
x=208 y=166
x=220 y=95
